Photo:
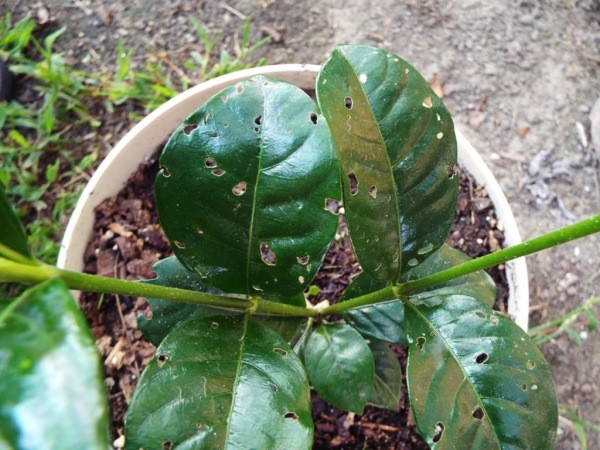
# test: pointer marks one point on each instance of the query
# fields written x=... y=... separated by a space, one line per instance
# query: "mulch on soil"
x=128 y=241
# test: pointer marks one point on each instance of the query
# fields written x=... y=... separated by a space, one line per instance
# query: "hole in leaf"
x=273 y=387
x=165 y=172
x=300 y=279
x=480 y=314
x=280 y=351
x=353 y=183
x=439 y=135
x=534 y=387
x=530 y=365
x=362 y=78
x=478 y=413
x=313 y=118
x=523 y=387
x=304 y=260
x=161 y=359
x=413 y=262
x=494 y=320
x=206 y=118
x=333 y=206
x=450 y=172
x=373 y=191
x=189 y=128
x=256 y=129
x=348 y=102
x=291 y=415
x=167 y=445
x=179 y=244
x=239 y=189
x=210 y=162
x=425 y=250
x=218 y=172
x=258 y=120
x=420 y=342
x=439 y=430
x=224 y=98
x=240 y=89
x=427 y=102
x=214 y=325
x=481 y=358
x=200 y=426
x=267 y=255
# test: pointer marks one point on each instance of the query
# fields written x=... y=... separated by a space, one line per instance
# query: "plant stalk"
x=557 y=237
x=15 y=272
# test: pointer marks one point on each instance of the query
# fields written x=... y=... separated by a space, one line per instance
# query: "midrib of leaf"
x=457 y=361
x=237 y=378
x=389 y=165
x=254 y=195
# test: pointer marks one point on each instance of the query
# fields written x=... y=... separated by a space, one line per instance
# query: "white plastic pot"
x=140 y=143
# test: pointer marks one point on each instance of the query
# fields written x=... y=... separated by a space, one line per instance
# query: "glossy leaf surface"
x=221 y=382
x=167 y=315
x=340 y=366
x=388 y=376
x=383 y=321
x=477 y=285
x=243 y=188
x=12 y=234
x=51 y=389
x=397 y=150
x=476 y=380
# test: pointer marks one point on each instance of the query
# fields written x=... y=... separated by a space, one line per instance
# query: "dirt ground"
x=521 y=78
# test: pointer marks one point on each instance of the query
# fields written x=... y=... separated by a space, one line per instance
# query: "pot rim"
x=142 y=140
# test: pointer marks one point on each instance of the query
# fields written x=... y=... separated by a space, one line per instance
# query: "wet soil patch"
x=128 y=240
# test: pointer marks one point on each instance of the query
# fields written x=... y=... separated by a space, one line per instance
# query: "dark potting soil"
x=128 y=240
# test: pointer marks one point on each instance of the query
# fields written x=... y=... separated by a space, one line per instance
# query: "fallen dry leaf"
x=523 y=131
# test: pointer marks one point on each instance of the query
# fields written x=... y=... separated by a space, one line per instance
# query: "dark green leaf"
x=476 y=380
x=167 y=315
x=51 y=390
x=244 y=186
x=12 y=234
x=340 y=366
x=221 y=382
x=383 y=321
x=477 y=285
x=388 y=376
x=396 y=140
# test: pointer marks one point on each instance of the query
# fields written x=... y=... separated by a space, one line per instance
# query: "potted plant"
x=243 y=192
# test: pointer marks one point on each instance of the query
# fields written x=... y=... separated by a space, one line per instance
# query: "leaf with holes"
x=12 y=235
x=397 y=150
x=383 y=321
x=477 y=285
x=166 y=315
x=388 y=376
x=221 y=382
x=51 y=393
x=243 y=189
x=340 y=366
x=476 y=380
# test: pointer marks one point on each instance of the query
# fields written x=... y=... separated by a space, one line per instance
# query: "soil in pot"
x=127 y=241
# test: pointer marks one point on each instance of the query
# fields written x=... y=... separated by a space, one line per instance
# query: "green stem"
x=21 y=273
x=385 y=294
x=560 y=236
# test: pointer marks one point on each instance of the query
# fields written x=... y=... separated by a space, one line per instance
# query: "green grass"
x=51 y=143
x=563 y=325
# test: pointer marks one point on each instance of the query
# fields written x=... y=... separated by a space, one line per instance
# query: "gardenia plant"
x=245 y=195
